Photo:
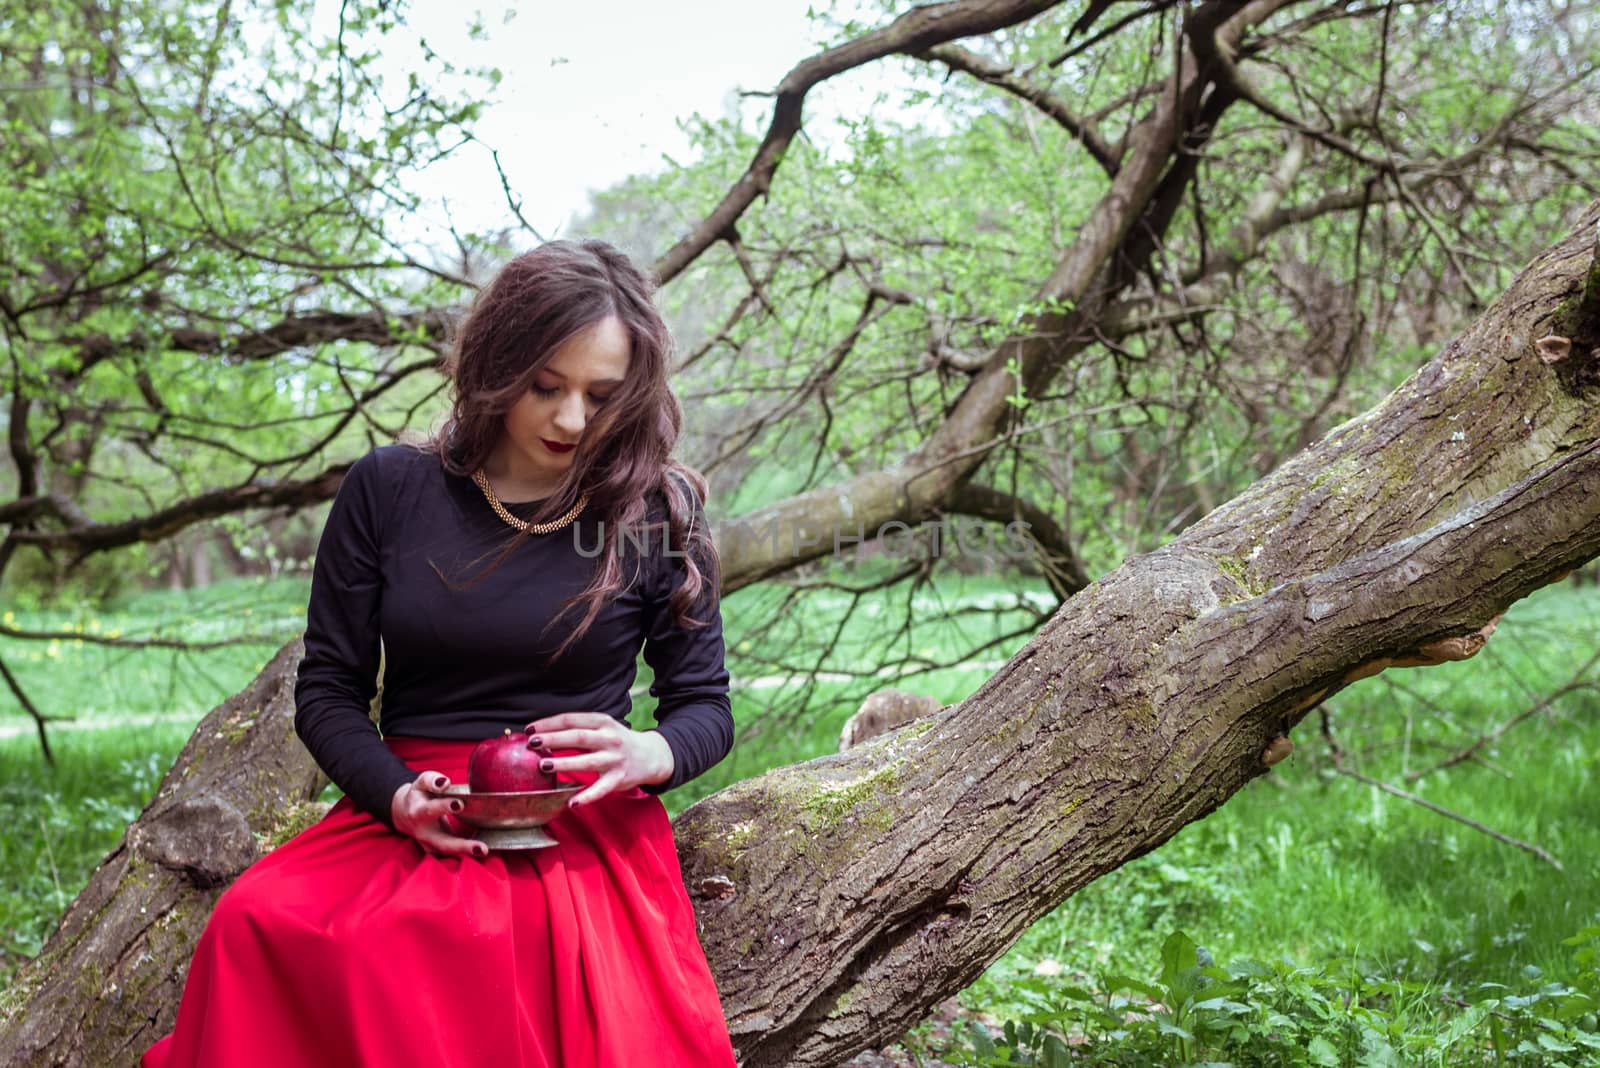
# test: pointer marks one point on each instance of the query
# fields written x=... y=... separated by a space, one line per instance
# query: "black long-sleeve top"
x=415 y=557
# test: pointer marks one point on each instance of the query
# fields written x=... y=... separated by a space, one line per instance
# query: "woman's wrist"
x=395 y=807
x=663 y=762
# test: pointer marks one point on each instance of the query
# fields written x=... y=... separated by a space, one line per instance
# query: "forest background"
x=1094 y=268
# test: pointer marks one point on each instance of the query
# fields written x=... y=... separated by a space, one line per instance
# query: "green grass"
x=77 y=679
x=784 y=717
x=1306 y=871
x=59 y=822
x=1311 y=865
x=1340 y=886
x=125 y=716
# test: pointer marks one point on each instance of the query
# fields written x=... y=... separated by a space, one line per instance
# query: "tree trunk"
x=842 y=898
x=107 y=983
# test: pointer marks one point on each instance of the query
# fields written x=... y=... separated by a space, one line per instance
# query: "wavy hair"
x=536 y=303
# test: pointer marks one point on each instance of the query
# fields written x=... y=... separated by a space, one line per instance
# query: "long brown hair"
x=537 y=302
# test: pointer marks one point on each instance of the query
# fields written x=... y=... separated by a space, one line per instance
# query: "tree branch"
x=1063 y=570
x=1500 y=836
x=1217 y=56
x=39 y=718
x=777 y=538
x=1082 y=129
x=915 y=31
x=1097 y=7
x=293 y=332
x=84 y=539
x=1467 y=752
x=178 y=644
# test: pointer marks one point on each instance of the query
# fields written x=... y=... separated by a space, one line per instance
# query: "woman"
x=512 y=571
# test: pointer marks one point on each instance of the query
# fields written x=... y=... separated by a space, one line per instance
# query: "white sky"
x=593 y=92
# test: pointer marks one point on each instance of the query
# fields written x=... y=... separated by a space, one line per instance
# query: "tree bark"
x=842 y=898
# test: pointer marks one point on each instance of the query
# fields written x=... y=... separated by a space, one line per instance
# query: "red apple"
x=506 y=765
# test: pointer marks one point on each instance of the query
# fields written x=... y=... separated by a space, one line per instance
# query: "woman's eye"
x=545 y=392
x=599 y=400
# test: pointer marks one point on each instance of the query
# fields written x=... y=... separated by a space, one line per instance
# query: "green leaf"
x=1114 y=983
x=1585 y=935
x=982 y=1042
x=1178 y=954
x=1320 y=1051
x=1460 y=1026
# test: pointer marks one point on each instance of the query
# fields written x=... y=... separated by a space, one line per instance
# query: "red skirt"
x=350 y=947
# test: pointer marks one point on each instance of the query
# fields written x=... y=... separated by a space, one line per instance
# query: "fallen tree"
x=843 y=897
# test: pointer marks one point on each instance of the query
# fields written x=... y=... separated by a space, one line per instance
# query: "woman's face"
x=543 y=428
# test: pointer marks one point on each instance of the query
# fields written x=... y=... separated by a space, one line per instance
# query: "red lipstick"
x=556 y=446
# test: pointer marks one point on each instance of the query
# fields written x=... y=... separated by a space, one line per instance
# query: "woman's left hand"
x=622 y=757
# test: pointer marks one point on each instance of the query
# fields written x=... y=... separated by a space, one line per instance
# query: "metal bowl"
x=511 y=820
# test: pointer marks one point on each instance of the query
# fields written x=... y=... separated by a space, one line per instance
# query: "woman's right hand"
x=420 y=811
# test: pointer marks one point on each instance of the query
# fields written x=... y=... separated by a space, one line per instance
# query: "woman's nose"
x=571 y=416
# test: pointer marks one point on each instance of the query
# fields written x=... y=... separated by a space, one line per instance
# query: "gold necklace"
x=522 y=524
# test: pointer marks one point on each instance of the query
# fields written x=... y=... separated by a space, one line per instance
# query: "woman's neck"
x=512 y=485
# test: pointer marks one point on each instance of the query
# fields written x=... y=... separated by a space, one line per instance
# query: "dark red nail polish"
x=438 y=784
x=455 y=806
x=535 y=742
x=547 y=765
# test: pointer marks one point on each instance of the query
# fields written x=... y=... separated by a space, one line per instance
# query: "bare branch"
x=293 y=332
x=1155 y=7
x=1218 y=58
x=1404 y=795
x=915 y=31
x=180 y=644
x=957 y=58
x=24 y=509
x=39 y=718
x=513 y=201
x=1468 y=752
x=84 y=539
x=1063 y=569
